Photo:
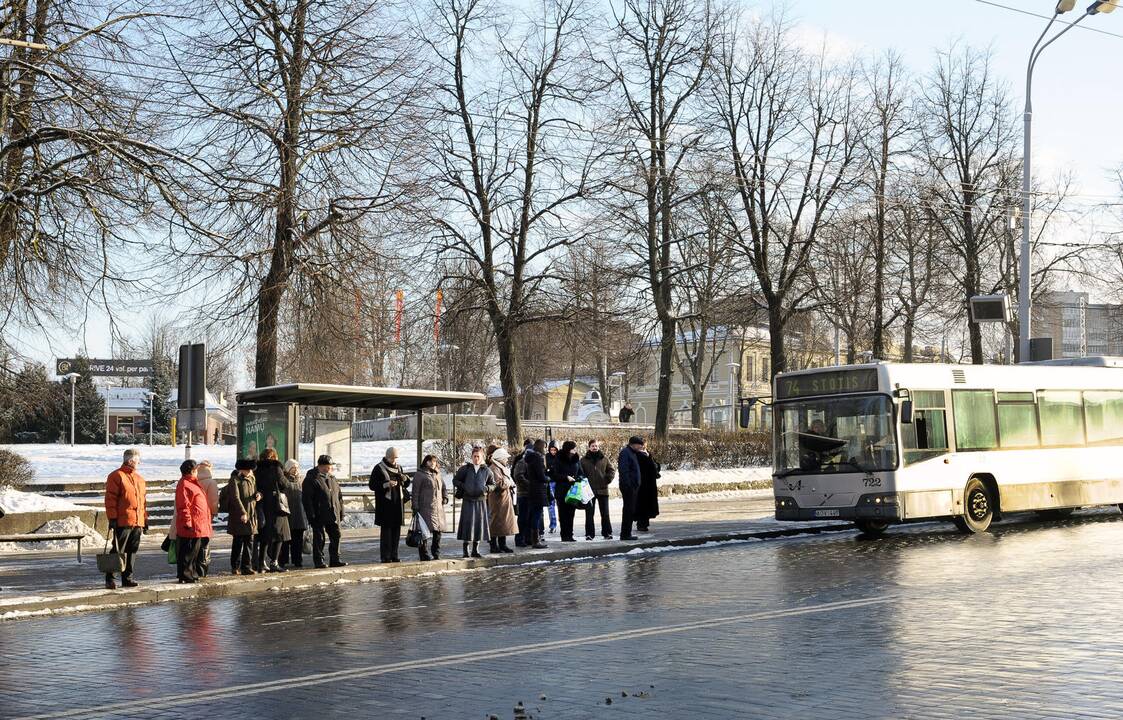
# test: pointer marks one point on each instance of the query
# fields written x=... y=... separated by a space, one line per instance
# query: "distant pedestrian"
x=389 y=482
x=552 y=496
x=600 y=473
x=192 y=524
x=293 y=551
x=205 y=473
x=323 y=506
x=473 y=481
x=566 y=471
x=429 y=498
x=537 y=491
x=275 y=530
x=627 y=413
x=647 y=499
x=126 y=509
x=501 y=501
x=241 y=515
x=629 y=473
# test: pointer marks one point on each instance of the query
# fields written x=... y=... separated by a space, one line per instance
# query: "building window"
x=125 y=425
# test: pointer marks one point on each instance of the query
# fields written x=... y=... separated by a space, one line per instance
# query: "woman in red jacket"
x=192 y=524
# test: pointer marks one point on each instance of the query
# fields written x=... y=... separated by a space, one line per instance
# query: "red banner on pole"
x=437 y=318
x=399 y=308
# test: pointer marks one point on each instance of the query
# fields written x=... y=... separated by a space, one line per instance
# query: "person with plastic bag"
x=192 y=524
x=565 y=473
x=501 y=501
x=472 y=482
x=598 y=469
x=126 y=509
x=389 y=482
x=429 y=498
x=292 y=552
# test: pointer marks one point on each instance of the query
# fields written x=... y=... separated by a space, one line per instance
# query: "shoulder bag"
x=111 y=561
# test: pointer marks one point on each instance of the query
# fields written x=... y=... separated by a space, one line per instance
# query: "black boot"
x=503 y=545
x=476 y=550
x=466 y=553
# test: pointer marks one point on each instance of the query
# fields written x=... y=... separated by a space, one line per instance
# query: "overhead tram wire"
x=1020 y=11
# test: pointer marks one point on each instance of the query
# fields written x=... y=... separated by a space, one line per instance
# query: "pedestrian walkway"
x=35 y=583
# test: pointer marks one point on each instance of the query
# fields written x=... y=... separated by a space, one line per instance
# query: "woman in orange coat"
x=192 y=524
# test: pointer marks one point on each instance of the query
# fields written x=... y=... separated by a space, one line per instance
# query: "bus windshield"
x=835 y=434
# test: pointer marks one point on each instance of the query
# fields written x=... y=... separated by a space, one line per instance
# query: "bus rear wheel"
x=978 y=508
x=871 y=527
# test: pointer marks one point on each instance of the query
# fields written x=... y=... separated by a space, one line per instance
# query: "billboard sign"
x=333 y=437
x=106 y=368
x=266 y=426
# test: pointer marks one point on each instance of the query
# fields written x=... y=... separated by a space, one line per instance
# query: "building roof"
x=546 y=385
x=356 y=396
x=131 y=399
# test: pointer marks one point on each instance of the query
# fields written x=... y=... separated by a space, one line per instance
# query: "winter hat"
x=635 y=440
x=205 y=471
x=501 y=455
x=324 y=460
x=553 y=444
x=245 y=464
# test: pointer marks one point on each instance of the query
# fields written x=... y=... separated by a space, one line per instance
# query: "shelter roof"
x=356 y=396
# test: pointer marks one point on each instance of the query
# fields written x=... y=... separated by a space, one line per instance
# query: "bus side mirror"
x=906 y=412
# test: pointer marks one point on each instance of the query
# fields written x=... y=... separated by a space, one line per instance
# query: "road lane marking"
x=340 y=615
x=210 y=695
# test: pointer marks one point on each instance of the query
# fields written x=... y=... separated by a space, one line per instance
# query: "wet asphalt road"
x=1018 y=623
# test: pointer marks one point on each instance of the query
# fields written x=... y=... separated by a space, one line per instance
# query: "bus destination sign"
x=836 y=382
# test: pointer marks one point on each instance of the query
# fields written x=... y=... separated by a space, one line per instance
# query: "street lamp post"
x=151 y=396
x=733 y=368
x=73 y=378
x=1063 y=6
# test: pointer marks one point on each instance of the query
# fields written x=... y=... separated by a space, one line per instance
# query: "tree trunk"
x=697 y=398
x=268 y=309
x=505 y=344
x=909 y=323
x=776 y=336
x=666 y=370
x=572 y=379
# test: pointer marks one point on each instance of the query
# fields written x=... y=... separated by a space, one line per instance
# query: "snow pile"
x=70 y=526
x=356 y=520
x=15 y=501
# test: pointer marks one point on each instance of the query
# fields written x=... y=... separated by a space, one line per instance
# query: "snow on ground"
x=92 y=463
x=729 y=475
x=15 y=501
x=69 y=525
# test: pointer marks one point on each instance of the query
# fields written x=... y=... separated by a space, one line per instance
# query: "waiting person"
x=274 y=530
x=429 y=498
x=205 y=474
x=501 y=500
x=323 y=506
x=293 y=551
x=241 y=516
x=629 y=473
x=126 y=509
x=538 y=489
x=647 y=499
x=192 y=524
x=552 y=496
x=389 y=483
x=627 y=413
x=565 y=472
x=522 y=491
x=600 y=473
x=473 y=480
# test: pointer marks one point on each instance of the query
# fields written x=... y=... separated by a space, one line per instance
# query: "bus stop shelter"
x=276 y=408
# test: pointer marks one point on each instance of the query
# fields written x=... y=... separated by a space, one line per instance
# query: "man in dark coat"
x=323 y=506
x=628 y=470
x=598 y=469
x=389 y=481
x=530 y=510
x=627 y=413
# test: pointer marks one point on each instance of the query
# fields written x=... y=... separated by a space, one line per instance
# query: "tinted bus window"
x=974 y=419
x=1062 y=419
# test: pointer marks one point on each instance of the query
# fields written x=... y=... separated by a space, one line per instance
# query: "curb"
x=66 y=602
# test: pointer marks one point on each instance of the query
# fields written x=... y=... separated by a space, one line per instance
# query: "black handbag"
x=413 y=535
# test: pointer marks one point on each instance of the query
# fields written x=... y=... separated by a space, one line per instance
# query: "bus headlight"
x=876 y=499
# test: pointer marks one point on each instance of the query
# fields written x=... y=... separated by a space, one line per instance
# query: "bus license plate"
x=826 y=513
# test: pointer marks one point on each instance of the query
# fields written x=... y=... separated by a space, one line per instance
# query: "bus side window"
x=1103 y=415
x=926 y=437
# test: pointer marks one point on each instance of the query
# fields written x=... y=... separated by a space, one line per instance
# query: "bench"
x=40 y=537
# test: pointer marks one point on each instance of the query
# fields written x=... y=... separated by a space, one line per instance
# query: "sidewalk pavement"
x=51 y=582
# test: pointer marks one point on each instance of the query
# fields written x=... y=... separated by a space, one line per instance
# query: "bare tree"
x=659 y=55
x=300 y=110
x=792 y=142
x=503 y=168
x=841 y=271
x=969 y=144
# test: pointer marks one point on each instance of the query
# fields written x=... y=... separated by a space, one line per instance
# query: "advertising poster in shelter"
x=333 y=437
x=261 y=427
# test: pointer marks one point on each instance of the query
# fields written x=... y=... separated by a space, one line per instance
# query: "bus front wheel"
x=871 y=527
x=978 y=508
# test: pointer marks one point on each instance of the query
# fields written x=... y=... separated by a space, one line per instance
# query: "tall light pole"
x=73 y=378
x=151 y=396
x=733 y=368
x=1063 y=6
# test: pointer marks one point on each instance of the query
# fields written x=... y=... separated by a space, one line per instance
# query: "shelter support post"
x=420 y=436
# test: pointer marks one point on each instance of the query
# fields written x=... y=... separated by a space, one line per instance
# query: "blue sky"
x=1077 y=103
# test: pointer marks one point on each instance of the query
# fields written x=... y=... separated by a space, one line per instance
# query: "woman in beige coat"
x=501 y=501
x=429 y=499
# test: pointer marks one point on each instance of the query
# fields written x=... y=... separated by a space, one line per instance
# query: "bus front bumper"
x=871 y=506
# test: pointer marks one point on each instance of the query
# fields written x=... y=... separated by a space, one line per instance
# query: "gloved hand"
x=112 y=524
x=146 y=529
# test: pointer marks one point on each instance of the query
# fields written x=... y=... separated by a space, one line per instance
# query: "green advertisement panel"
x=266 y=426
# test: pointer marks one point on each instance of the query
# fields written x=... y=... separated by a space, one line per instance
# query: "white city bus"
x=884 y=443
